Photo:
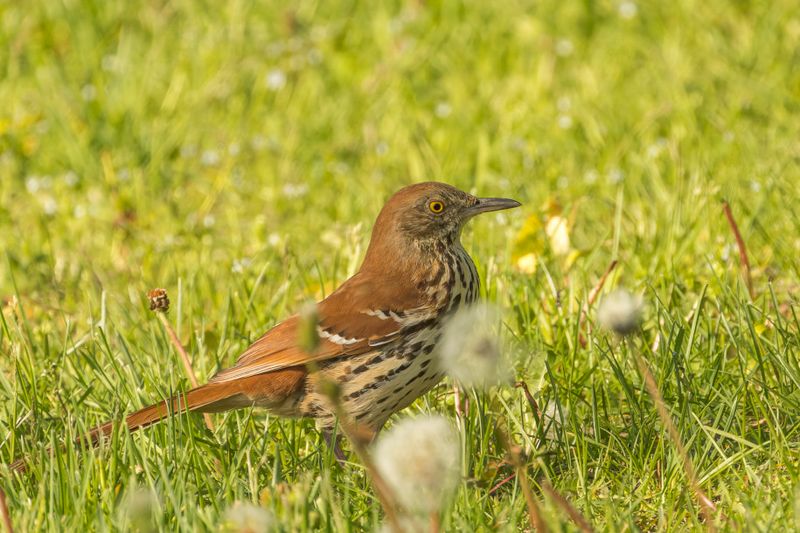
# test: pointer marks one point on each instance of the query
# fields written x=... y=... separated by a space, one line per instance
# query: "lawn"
x=237 y=153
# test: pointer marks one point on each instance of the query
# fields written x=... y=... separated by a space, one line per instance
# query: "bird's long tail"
x=212 y=397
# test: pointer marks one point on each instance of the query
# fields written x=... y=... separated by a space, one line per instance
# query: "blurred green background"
x=237 y=153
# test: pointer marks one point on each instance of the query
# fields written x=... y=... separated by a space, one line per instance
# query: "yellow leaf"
x=529 y=239
x=557 y=231
x=527 y=263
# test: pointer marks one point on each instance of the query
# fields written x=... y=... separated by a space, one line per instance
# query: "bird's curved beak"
x=485 y=205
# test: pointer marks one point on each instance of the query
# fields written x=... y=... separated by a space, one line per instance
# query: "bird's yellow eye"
x=436 y=206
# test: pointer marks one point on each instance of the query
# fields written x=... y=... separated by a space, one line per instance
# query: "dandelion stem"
x=568 y=508
x=743 y=258
x=351 y=431
x=534 y=514
x=707 y=507
x=4 y=512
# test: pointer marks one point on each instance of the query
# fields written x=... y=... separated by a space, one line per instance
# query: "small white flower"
x=295 y=190
x=249 y=518
x=70 y=178
x=276 y=80
x=470 y=351
x=381 y=148
x=210 y=158
x=188 y=151
x=234 y=148
x=620 y=312
x=628 y=10
x=240 y=265
x=209 y=221
x=314 y=57
x=32 y=183
x=564 y=122
x=332 y=238
x=274 y=240
x=258 y=142
x=562 y=182
x=420 y=460
x=591 y=176
x=443 y=110
x=109 y=63
x=755 y=186
x=49 y=205
x=615 y=175
x=564 y=47
x=89 y=92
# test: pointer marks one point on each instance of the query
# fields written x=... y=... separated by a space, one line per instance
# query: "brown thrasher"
x=378 y=330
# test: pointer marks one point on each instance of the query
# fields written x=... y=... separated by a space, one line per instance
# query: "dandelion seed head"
x=49 y=205
x=620 y=311
x=248 y=518
x=470 y=351
x=210 y=158
x=295 y=190
x=564 y=122
x=564 y=47
x=408 y=524
x=240 y=265
x=443 y=110
x=420 y=460
x=188 y=151
x=276 y=79
x=138 y=509
x=627 y=10
x=32 y=183
x=70 y=178
x=89 y=92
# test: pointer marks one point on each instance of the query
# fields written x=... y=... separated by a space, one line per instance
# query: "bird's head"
x=432 y=211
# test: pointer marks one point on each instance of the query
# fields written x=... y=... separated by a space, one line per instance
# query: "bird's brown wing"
x=353 y=320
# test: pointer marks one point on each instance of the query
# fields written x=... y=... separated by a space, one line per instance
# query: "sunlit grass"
x=237 y=153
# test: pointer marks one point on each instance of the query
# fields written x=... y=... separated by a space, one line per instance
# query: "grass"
x=237 y=153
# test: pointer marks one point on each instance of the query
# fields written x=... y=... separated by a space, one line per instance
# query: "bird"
x=377 y=332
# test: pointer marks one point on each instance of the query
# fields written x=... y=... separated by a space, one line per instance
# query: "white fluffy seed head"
x=620 y=312
x=420 y=460
x=470 y=350
x=244 y=517
x=139 y=510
